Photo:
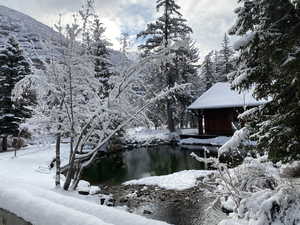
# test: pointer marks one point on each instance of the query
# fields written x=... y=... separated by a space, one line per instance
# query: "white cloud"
x=210 y=19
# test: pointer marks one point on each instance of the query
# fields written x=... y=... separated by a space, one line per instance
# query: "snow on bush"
x=255 y=194
x=273 y=207
x=231 y=186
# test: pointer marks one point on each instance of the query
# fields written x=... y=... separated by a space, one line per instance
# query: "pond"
x=142 y=162
x=7 y=218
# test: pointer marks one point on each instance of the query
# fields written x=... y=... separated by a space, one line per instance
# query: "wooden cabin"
x=218 y=109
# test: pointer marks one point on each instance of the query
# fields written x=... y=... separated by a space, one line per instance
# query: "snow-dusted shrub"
x=255 y=174
x=255 y=194
x=271 y=207
x=234 y=185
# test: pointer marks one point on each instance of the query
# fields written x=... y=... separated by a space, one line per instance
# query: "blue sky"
x=210 y=19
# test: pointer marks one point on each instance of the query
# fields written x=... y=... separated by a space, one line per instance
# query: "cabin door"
x=218 y=122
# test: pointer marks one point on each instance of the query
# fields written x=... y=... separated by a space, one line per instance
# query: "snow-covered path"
x=27 y=189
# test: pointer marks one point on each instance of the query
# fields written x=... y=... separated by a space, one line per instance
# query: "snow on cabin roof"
x=220 y=95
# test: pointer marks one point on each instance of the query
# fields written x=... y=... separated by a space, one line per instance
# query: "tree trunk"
x=171 y=124
x=57 y=160
x=4 y=144
x=77 y=177
x=70 y=172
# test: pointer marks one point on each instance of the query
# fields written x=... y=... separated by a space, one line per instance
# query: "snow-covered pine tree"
x=207 y=71
x=87 y=12
x=168 y=28
x=186 y=66
x=101 y=57
x=226 y=60
x=217 y=64
x=13 y=68
x=270 y=62
x=124 y=42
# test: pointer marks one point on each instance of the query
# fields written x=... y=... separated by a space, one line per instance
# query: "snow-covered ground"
x=144 y=136
x=27 y=189
x=217 y=141
x=147 y=136
x=177 y=181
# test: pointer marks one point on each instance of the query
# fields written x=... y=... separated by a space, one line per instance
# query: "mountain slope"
x=39 y=41
x=35 y=38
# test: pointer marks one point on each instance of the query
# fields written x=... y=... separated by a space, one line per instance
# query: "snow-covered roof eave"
x=220 y=95
x=225 y=106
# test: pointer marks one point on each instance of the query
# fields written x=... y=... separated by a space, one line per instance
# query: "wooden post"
x=4 y=144
x=200 y=122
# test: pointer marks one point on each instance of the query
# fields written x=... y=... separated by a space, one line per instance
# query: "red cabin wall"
x=219 y=121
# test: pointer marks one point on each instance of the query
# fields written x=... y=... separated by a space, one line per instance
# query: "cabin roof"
x=220 y=95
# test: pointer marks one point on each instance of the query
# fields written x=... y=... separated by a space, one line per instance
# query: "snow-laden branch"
x=162 y=95
x=234 y=141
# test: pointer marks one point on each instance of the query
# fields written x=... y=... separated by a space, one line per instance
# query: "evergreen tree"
x=170 y=27
x=186 y=66
x=223 y=61
x=124 y=42
x=86 y=12
x=13 y=68
x=104 y=71
x=226 y=59
x=101 y=57
x=270 y=62
x=217 y=64
x=207 y=73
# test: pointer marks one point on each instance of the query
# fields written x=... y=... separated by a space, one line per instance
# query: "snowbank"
x=211 y=141
x=41 y=211
x=146 y=137
x=177 y=181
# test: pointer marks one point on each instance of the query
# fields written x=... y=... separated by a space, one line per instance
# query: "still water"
x=142 y=162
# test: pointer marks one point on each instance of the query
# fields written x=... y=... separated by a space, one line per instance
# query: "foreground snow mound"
x=177 y=181
x=41 y=211
x=50 y=207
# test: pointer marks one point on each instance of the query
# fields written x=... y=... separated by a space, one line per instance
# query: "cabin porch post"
x=200 y=122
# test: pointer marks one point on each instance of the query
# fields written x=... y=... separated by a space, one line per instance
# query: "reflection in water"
x=140 y=163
